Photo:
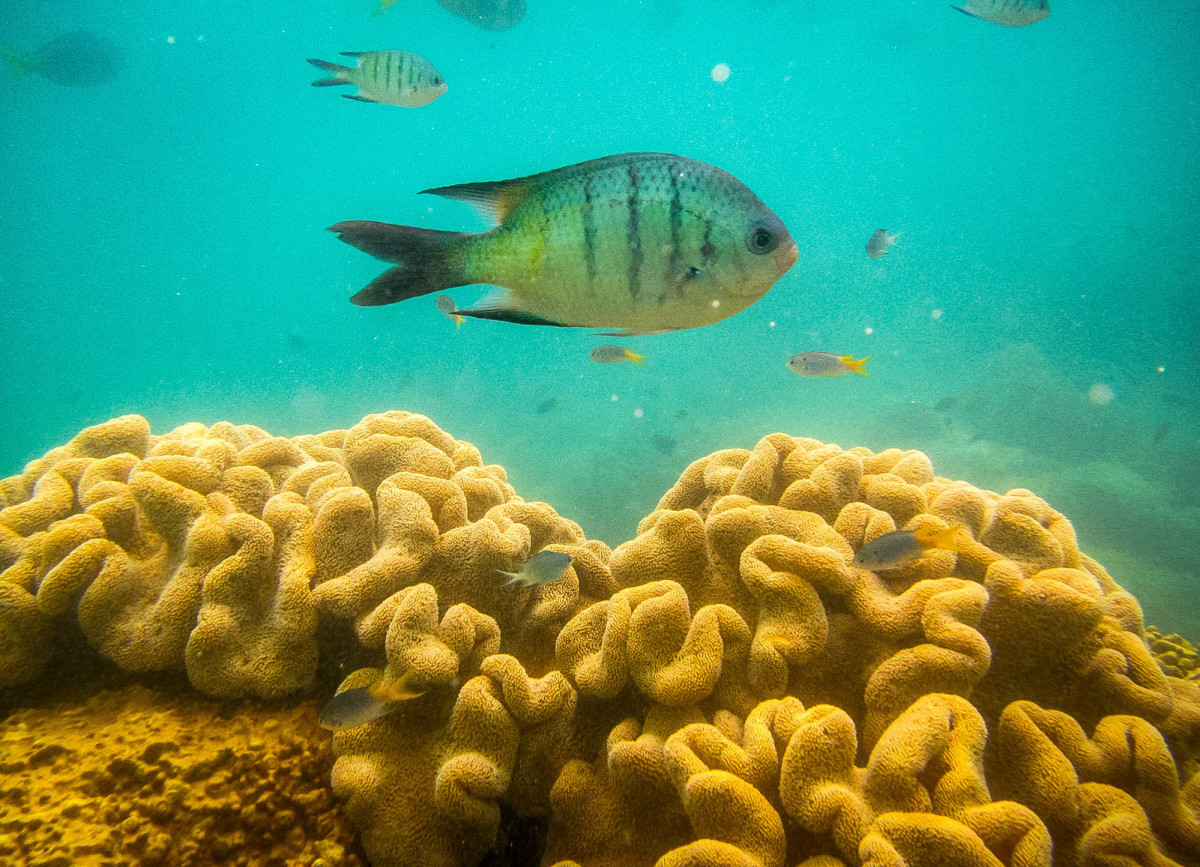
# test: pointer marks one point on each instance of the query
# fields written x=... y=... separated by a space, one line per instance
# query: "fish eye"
x=437 y=79
x=761 y=240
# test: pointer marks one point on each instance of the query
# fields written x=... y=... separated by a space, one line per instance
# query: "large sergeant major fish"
x=1007 y=13
x=641 y=242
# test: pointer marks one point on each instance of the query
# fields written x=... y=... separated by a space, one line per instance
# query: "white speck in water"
x=1101 y=394
x=868 y=330
x=771 y=324
x=615 y=398
x=170 y=40
x=720 y=73
x=639 y=412
x=1161 y=369
x=716 y=302
x=936 y=313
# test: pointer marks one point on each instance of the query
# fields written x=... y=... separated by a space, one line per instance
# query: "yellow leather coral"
x=726 y=688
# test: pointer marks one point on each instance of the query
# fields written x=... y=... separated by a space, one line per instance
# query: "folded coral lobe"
x=725 y=688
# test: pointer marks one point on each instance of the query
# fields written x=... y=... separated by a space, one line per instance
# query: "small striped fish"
x=1009 y=13
x=389 y=77
x=642 y=242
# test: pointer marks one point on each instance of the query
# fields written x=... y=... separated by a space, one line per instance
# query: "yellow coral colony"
x=723 y=689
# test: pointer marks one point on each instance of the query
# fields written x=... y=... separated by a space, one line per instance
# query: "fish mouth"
x=789 y=255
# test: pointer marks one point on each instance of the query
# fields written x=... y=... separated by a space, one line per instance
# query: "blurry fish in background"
x=387 y=77
x=548 y=404
x=488 y=14
x=76 y=59
x=664 y=444
x=542 y=568
x=902 y=546
x=447 y=307
x=609 y=354
x=643 y=242
x=383 y=6
x=1009 y=13
x=877 y=246
x=1160 y=434
x=826 y=364
x=355 y=707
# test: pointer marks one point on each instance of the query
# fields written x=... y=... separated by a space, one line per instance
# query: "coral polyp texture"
x=726 y=688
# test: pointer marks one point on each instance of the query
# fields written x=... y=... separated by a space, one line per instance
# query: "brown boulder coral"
x=724 y=689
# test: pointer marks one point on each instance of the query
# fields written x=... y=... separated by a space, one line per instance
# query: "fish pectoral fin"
x=500 y=313
x=494 y=199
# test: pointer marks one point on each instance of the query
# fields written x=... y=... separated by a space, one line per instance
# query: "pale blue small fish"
x=356 y=707
x=1007 y=13
x=879 y=243
x=541 y=568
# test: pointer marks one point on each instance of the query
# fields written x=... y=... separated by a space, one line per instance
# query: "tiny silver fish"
x=609 y=354
x=388 y=77
x=542 y=568
x=902 y=546
x=1008 y=13
x=877 y=246
x=826 y=364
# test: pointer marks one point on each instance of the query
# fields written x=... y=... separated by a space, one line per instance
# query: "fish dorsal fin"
x=494 y=199
x=353 y=53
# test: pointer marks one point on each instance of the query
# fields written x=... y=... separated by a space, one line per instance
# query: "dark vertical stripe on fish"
x=403 y=66
x=675 y=261
x=634 y=236
x=589 y=228
x=387 y=75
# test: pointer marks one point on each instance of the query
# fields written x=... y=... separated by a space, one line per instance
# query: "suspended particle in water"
x=1161 y=369
x=615 y=398
x=638 y=413
x=170 y=40
x=868 y=330
x=935 y=313
x=1101 y=394
x=720 y=73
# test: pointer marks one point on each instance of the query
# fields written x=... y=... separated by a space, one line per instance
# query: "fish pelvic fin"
x=634 y=357
x=427 y=260
x=340 y=74
x=963 y=10
x=502 y=313
x=493 y=199
x=856 y=366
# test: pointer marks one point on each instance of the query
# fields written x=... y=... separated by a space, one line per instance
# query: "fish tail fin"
x=426 y=260
x=408 y=686
x=857 y=366
x=634 y=357
x=513 y=577
x=352 y=707
x=341 y=74
x=892 y=239
x=22 y=64
x=947 y=540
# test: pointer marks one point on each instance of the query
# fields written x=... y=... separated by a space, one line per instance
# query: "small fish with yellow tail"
x=1007 y=13
x=447 y=307
x=76 y=59
x=388 y=77
x=609 y=354
x=824 y=364
x=903 y=546
x=356 y=707
x=879 y=243
x=542 y=568
x=643 y=243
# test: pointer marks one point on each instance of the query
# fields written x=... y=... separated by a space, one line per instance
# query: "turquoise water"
x=163 y=246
